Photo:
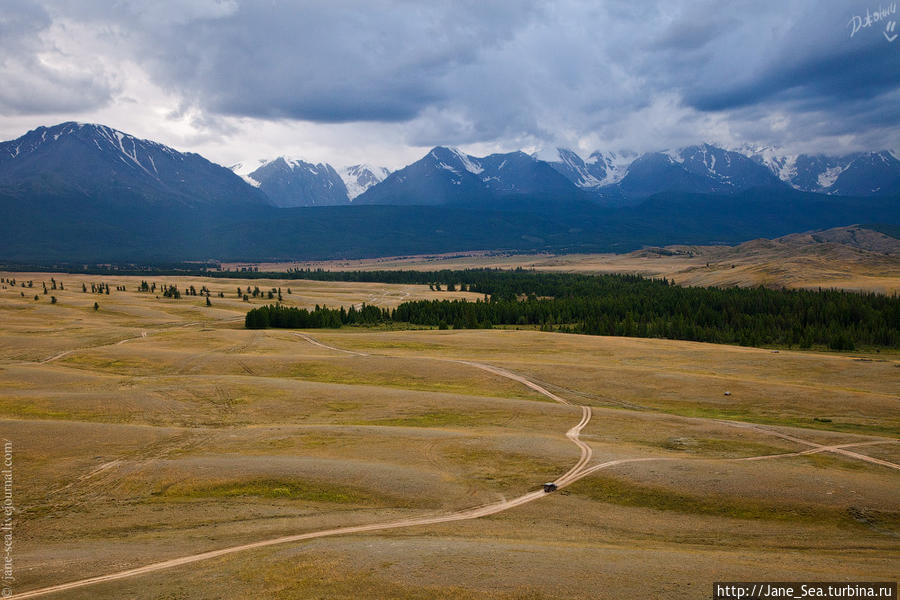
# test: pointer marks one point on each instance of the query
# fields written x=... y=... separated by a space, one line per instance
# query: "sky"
x=382 y=81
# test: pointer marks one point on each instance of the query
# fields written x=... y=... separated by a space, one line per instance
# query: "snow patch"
x=827 y=179
x=783 y=166
x=444 y=165
x=674 y=156
x=243 y=169
x=616 y=164
x=359 y=178
x=472 y=166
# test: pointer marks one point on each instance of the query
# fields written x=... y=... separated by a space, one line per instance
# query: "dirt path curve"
x=816 y=447
x=144 y=334
x=321 y=345
x=578 y=471
x=573 y=474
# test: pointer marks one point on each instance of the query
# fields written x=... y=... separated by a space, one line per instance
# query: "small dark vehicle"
x=549 y=487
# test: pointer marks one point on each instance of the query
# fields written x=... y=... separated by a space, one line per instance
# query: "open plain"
x=850 y=258
x=153 y=429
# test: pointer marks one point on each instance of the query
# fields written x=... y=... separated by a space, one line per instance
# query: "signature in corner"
x=858 y=22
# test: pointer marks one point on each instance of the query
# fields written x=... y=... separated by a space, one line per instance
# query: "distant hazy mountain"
x=101 y=164
x=449 y=176
x=291 y=182
x=359 y=178
x=858 y=174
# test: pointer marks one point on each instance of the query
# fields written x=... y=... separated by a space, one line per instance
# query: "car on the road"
x=549 y=487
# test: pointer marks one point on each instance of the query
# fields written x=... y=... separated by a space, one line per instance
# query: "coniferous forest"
x=621 y=305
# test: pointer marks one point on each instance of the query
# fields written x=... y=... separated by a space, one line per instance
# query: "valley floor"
x=152 y=429
x=849 y=258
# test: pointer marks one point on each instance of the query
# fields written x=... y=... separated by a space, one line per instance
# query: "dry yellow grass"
x=850 y=258
x=156 y=428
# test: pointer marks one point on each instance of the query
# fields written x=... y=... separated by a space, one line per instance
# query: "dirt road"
x=578 y=471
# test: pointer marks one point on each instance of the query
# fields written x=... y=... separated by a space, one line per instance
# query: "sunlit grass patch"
x=721 y=447
x=119 y=365
x=283 y=489
x=426 y=380
x=434 y=418
x=327 y=575
x=627 y=493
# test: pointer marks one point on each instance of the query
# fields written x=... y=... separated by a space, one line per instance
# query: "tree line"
x=622 y=305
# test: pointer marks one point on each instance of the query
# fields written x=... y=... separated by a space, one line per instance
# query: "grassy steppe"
x=155 y=428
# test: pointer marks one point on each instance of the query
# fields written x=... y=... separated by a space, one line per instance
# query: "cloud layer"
x=391 y=77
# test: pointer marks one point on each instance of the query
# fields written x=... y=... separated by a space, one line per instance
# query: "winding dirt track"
x=578 y=471
x=837 y=449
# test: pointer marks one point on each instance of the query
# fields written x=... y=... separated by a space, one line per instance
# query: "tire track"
x=816 y=447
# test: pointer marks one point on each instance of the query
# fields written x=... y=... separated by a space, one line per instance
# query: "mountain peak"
x=448 y=155
x=108 y=165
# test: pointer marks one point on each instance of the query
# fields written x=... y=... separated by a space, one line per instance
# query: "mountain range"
x=706 y=169
x=80 y=191
x=449 y=176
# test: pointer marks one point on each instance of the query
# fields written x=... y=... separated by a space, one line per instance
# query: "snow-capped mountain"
x=598 y=170
x=359 y=178
x=447 y=174
x=450 y=176
x=732 y=171
x=857 y=174
x=703 y=169
x=290 y=182
x=78 y=160
x=657 y=172
x=864 y=174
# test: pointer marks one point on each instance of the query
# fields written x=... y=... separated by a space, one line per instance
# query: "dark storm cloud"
x=37 y=77
x=325 y=62
x=473 y=71
x=816 y=60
